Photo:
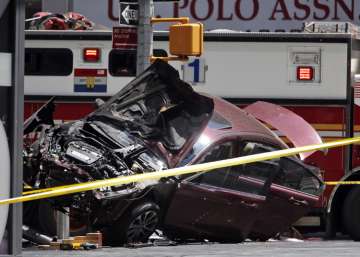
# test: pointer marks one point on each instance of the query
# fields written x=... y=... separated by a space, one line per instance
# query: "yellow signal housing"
x=186 y=39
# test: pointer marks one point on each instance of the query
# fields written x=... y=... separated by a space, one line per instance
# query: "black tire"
x=40 y=215
x=136 y=225
x=351 y=214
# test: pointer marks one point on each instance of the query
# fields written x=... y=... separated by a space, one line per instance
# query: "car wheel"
x=351 y=214
x=137 y=225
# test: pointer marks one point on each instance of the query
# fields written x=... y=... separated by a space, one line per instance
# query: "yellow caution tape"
x=329 y=183
x=77 y=188
x=47 y=189
x=335 y=183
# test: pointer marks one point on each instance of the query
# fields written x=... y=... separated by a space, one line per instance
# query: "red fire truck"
x=311 y=73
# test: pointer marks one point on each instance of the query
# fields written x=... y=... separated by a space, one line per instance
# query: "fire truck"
x=312 y=73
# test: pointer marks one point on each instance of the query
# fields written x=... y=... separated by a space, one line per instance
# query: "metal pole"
x=145 y=35
x=12 y=41
x=17 y=124
x=62 y=225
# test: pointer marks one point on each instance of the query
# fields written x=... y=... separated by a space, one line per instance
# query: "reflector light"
x=91 y=54
x=305 y=73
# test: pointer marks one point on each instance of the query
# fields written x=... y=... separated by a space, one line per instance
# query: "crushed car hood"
x=158 y=105
x=296 y=129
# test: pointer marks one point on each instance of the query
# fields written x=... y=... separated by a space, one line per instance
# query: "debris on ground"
x=89 y=242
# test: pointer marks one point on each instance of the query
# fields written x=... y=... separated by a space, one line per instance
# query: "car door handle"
x=298 y=202
x=249 y=205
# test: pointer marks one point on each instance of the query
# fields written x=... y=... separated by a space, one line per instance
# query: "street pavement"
x=287 y=248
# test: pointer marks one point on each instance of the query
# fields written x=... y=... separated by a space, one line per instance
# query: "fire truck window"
x=122 y=63
x=48 y=61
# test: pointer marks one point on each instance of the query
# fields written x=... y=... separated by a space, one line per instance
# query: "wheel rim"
x=142 y=226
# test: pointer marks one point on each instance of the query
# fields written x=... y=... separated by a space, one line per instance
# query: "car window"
x=297 y=176
x=216 y=177
x=252 y=177
x=216 y=122
x=235 y=177
x=258 y=170
x=199 y=145
x=290 y=173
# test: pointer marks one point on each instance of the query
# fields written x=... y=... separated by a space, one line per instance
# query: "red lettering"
x=195 y=14
x=239 y=13
x=302 y=7
x=349 y=11
x=283 y=9
x=110 y=11
x=221 y=12
x=322 y=7
x=177 y=7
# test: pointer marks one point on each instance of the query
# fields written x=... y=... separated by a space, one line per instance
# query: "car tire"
x=40 y=215
x=136 y=225
x=351 y=214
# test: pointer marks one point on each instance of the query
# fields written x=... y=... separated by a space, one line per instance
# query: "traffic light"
x=186 y=39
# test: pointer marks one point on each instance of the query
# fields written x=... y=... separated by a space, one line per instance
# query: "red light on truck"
x=91 y=54
x=305 y=73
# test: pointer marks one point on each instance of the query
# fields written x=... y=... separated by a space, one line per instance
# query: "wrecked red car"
x=158 y=122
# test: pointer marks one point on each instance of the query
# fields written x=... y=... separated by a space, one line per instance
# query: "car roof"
x=239 y=122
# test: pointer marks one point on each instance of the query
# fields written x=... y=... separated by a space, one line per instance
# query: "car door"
x=212 y=204
x=294 y=190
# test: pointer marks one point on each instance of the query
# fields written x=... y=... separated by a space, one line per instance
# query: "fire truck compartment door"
x=289 y=124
